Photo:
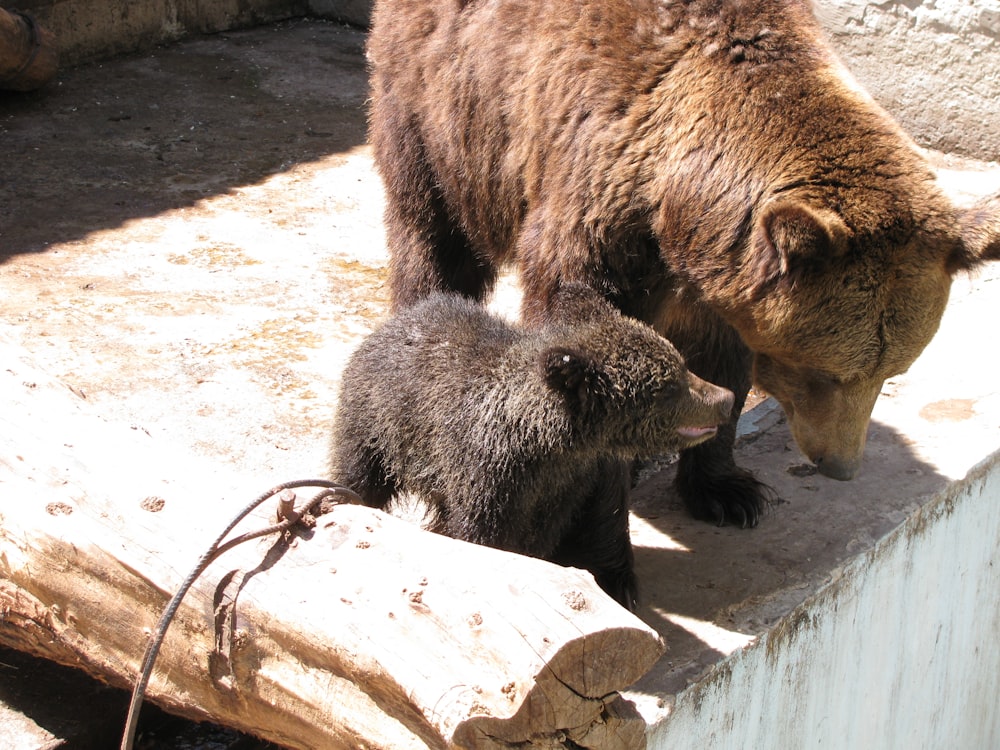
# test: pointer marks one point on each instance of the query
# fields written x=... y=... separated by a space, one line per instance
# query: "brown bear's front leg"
x=429 y=252
x=712 y=486
x=715 y=489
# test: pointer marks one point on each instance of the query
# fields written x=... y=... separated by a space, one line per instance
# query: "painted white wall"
x=899 y=650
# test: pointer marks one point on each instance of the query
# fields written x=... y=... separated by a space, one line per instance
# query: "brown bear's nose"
x=837 y=468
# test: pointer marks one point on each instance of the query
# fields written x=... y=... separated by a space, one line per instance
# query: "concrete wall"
x=934 y=64
x=899 y=650
x=89 y=30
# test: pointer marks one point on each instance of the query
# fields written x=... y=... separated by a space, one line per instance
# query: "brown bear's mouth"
x=697 y=433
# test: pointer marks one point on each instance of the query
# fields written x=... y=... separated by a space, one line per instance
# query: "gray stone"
x=934 y=64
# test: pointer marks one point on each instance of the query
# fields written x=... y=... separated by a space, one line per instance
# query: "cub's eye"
x=669 y=391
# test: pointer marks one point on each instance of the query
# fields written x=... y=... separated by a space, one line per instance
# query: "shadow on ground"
x=709 y=590
x=146 y=134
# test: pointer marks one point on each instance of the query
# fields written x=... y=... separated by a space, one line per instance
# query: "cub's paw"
x=620 y=585
x=735 y=497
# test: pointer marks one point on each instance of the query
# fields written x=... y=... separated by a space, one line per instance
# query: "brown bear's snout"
x=840 y=461
x=837 y=468
x=831 y=430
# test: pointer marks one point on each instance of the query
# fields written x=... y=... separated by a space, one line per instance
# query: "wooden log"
x=361 y=632
x=29 y=57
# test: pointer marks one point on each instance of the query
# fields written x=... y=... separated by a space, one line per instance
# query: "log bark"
x=363 y=632
x=29 y=57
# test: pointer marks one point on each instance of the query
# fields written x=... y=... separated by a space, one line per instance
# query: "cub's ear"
x=572 y=373
x=792 y=237
x=980 y=226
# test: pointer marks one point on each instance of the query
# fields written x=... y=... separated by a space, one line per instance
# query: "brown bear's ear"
x=980 y=226
x=793 y=237
x=574 y=374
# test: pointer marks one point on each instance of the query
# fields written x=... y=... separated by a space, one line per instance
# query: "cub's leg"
x=598 y=538
x=356 y=462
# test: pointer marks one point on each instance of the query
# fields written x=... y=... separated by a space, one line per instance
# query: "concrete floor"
x=195 y=230
x=191 y=241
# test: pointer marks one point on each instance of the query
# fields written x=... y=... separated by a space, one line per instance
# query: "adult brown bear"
x=707 y=165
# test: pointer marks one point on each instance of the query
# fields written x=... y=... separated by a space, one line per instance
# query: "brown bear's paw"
x=735 y=496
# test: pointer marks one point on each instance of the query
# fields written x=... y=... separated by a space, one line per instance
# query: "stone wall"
x=934 y=64
x=90 y=30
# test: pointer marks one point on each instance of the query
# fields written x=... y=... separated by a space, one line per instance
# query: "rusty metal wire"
x=290 y=517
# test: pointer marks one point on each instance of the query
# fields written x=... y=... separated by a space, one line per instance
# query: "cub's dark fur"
x=516 y=438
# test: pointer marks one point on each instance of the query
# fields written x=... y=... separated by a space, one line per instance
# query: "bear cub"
x=516 y=438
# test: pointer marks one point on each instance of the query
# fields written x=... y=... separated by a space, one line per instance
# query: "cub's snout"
x=711 y=406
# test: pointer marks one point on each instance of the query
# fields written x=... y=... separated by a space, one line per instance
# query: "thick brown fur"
x=707 y=165
x=519 y=439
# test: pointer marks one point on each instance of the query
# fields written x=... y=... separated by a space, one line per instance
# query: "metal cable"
x=292 y=517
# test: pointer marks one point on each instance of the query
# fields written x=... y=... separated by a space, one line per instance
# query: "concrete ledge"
x=898 y=650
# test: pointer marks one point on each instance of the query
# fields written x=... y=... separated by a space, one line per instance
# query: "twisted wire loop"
x=290 y=516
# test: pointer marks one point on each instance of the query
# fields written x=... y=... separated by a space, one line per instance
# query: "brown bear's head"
x=800 y=212
x=843 y=300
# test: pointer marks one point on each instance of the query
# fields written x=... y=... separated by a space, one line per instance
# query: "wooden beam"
x=362 y=632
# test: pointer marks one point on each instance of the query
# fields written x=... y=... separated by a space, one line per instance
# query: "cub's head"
x=626 y=385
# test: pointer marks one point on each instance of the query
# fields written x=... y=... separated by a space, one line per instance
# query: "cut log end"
x=609 y=723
